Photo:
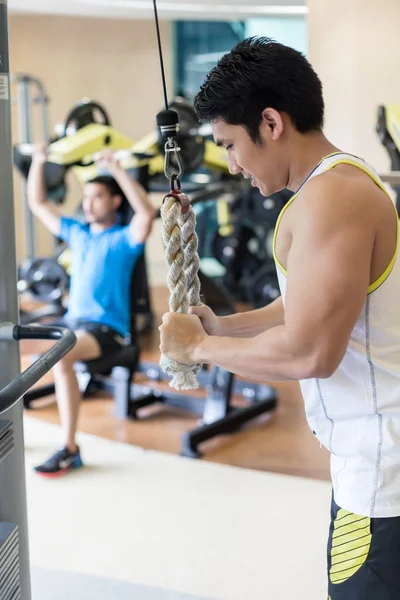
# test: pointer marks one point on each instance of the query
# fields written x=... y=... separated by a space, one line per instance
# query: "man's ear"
x=117 y=200
x=272 y=120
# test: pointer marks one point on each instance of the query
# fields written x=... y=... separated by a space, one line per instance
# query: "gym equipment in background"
x=85 y=131
x=237 y=233
x=47 y=282
x=388 y=129
x=14 y=545
x=30 y=93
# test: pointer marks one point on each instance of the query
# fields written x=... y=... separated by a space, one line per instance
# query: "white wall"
x=354 y=47
x=291 y=31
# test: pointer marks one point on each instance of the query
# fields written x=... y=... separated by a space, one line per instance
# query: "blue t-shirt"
x=101 y=271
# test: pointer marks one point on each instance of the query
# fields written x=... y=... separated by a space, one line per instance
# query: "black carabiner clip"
x=172 y=171
x=175 y=183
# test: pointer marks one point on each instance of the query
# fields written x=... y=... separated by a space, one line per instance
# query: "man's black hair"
x=260 y=73
x=110 y=183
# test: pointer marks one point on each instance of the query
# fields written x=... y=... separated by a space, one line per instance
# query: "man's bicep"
x=328 y=276
x=130 y=243
x=140 y=228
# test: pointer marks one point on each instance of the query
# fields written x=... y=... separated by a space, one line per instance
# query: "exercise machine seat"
x=127 y=357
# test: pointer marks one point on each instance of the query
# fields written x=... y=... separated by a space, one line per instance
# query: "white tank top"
x=355 y=413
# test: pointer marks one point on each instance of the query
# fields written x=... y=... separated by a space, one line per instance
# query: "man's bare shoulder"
x=345 y=192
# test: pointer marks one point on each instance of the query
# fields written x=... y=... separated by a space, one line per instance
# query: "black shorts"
x=363 y=557
x=109 y=340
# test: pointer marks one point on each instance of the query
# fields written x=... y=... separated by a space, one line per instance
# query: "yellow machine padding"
x=82 y=145
x=224 y=218
x=215 y=157
x=148 y=144
x=65 y=260
x=86 y=173
x=86 y=142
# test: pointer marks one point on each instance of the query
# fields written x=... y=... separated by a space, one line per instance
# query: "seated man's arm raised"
x=38 y=201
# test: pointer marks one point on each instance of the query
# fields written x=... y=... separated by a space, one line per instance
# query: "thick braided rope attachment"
x=180 y=239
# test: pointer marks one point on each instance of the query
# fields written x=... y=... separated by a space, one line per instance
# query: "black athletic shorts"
x=363 y=557
x=109 y=340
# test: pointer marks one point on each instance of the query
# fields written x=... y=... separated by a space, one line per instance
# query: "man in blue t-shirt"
x=104 y=254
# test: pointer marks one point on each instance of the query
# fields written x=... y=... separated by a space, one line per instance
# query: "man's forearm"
x=134 y=192
x=271 y=356
x=36 y=188
x=254 y=322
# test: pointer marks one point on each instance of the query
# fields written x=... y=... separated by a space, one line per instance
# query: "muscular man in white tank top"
x=336 y=326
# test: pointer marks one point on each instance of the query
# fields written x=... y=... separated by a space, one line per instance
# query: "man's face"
x=99 y=205
x=261 y=162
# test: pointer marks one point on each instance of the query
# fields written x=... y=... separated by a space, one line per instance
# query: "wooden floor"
x=281 y=442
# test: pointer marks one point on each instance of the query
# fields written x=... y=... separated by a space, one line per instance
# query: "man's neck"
x=306 y=151
x=100 y=227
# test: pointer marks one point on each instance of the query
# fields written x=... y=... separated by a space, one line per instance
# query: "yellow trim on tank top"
x=292 y=199
x=374 y=286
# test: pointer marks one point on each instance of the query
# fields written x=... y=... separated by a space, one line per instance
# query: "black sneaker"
x=60 y=463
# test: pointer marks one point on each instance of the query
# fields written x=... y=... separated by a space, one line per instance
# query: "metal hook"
x=172 y=172
x=175 y=183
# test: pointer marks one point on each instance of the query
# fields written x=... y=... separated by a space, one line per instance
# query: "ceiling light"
x=259 y=9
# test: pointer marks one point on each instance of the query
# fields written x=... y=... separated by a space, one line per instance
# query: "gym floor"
x=280 y=443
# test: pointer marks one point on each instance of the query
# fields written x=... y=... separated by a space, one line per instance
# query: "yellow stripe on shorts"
x=351 y=542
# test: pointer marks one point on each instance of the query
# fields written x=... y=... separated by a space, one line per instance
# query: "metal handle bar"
x=21 y=384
